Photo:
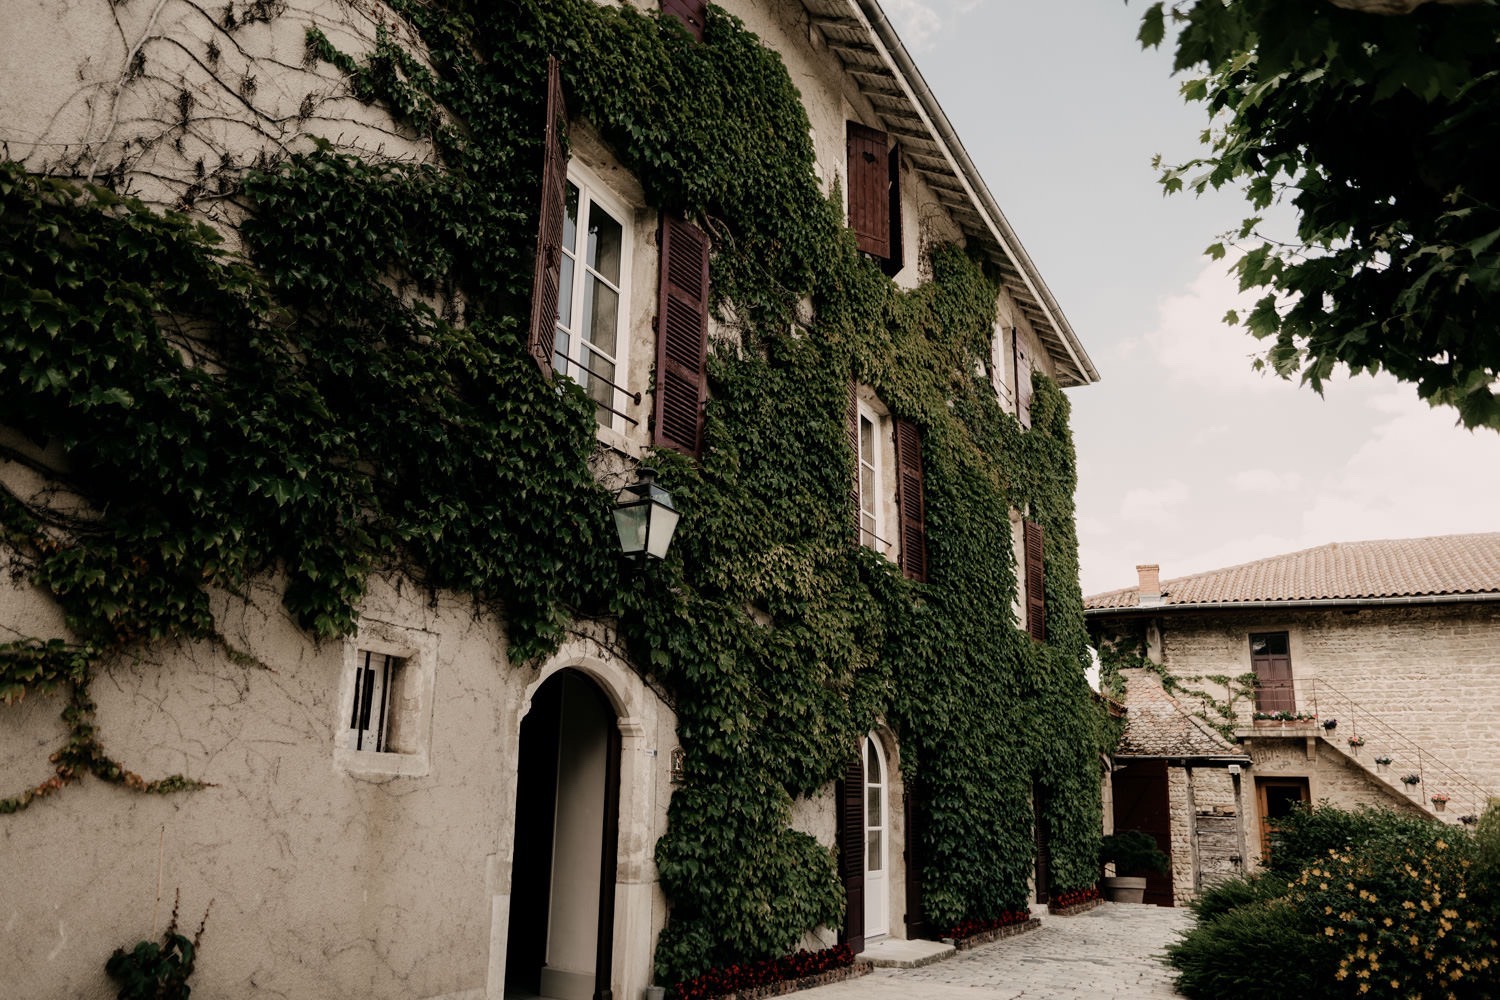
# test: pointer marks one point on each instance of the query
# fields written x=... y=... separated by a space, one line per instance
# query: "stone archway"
x=560 y=939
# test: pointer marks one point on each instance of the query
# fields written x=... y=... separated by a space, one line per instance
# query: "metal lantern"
x=645 y=517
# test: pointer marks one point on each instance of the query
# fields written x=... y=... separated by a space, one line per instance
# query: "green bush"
x=1379 y=905
x=1239 y=891
x=1256 y=951
x=1307 y=835
x=1134 y=854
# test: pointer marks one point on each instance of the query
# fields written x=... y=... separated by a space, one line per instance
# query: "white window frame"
x=1002 y=360
x=416 y=650
x=879 y=464
x=592 y=190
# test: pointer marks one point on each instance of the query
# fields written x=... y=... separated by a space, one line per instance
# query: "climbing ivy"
x=352 y=395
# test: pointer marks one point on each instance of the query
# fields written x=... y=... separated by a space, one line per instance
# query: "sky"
x=1187 y=457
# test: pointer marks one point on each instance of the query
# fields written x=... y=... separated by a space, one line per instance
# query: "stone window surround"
x=418 y=649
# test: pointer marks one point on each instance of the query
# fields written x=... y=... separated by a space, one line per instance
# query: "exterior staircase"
x=1466 y=797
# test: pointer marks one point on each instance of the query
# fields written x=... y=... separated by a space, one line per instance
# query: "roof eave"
x=1329 y=602
x=1073 y=365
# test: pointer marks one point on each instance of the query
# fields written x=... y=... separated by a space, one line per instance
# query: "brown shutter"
x=896 y=260
x=1023 y=378
x=851 y=796
x=1036 y=584
x=869 y=189
x=543 y=332
x=681 y=335
x=689 y=12
x=852 y=428
x=910 y=501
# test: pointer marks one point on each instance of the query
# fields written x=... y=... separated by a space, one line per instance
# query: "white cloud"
x=919 y=22
x=1192 y=343
x=1154 y=504
x=1265 y=481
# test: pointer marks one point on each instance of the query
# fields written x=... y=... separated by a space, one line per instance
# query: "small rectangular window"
x=375 y=717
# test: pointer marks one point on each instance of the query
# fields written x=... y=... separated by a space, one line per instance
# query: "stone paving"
x=1112 y=952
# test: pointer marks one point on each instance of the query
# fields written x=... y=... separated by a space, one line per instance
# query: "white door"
x=877 y=843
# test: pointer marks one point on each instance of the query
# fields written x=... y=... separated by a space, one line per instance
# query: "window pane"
x=872 y=806
x=601 y=315
x=1269 y=644
x=560 y=352
x=605 y=244
x=570 y=223
x=866 y=441
x=600 y=391
x=565 y=294
x=872 y=763
x=873 y=861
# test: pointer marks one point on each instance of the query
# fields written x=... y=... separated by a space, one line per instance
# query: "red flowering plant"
x=749 y=975
x=1061 y=900
x=974 y=925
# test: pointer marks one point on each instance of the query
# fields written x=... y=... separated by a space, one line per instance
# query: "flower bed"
x=1074 y=901
x=972 y=933
x=772 y=976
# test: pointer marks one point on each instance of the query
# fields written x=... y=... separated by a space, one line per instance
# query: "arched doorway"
x=560 y=937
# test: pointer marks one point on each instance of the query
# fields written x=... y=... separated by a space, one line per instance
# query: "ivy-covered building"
x=331 y=333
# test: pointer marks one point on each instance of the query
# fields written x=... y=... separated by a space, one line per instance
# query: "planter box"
x=1124 y=889
x=1075 y=909
x=994 y=934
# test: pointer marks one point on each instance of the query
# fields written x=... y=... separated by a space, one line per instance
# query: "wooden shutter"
x=851 y=796
x=689 y=12
x=869 y=189
x=916 y=914
x=852 y=428
x=543 y=332
x=896 y=259
x=1036 y=584
x=1022 y=365
x=681 y=335
x=910 y=501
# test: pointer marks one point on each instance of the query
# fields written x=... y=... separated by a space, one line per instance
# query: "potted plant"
x=1468 y=820
x=1382 y=763
x=1330 y=724
x=1134 y=855
x=1411 y=781
x=1439 y=801
x=1355 y=742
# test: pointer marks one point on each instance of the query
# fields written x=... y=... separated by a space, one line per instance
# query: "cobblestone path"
x=1113 y=952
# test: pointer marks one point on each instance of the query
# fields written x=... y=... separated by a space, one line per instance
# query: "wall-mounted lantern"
x=645 y=517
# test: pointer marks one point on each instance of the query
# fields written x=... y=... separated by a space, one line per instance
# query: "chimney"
x=1150 y=585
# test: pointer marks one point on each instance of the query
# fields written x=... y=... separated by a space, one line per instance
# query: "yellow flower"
x=1389 y=921
x=1328 y=931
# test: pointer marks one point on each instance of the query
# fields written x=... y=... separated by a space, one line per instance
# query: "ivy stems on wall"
x=354 y=396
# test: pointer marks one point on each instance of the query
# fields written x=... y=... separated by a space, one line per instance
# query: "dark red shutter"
x=910 y=501
x=851 y=796
x=852 y=428
x=1023 y=378
x=896 y=260
x=869 y=189
x=681 y=335
x=543 y=332
x=689 y=12
x=1036 y=584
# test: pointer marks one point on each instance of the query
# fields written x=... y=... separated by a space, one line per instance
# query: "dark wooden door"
x=916 y=916
x=1043 y=842
x=1277 y=797
x=1140 y=793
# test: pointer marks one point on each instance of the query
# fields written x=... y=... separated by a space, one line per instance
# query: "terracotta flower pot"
x=1124 y=889
x=1439 y=804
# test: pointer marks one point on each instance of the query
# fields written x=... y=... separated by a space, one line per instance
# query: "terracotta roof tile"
x=1156 y=724
x=1405 y=567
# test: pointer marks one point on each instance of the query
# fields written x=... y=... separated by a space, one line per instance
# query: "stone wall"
x=1428 y=672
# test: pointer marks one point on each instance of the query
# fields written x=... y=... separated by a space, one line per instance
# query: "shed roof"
x=1404 y=568
x=1157 y=724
